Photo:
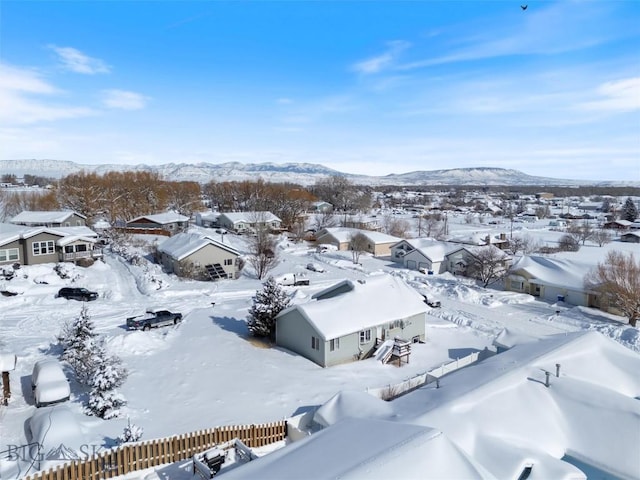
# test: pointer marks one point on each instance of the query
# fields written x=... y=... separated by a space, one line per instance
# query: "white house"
x=49 y=219
x=346 y=321
x=248 y=222
x=423 y=254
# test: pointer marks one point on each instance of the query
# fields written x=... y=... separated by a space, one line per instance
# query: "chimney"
x=546 y=381
x=557 y=370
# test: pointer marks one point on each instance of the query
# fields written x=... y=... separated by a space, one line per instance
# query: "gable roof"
x=343 y=235
x=380 y=299
x=182 y=245
x=44 y=217
x=162 y=218
x=250 y=217
x=558 y=272
x=434 y=250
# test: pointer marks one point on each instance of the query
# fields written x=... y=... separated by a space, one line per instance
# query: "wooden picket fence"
x=138 y=456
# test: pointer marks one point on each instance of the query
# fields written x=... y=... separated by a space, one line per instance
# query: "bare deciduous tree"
x=263 y=254
x=601 y=237
x=358 y=243
x=487 y=264
x=617 y=279
x=580 y=232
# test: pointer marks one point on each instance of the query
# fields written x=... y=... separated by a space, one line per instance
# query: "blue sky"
x=373 y=87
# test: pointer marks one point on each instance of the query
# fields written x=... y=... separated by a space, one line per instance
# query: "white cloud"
x=284 y=101
x=76 y=61
x=123 y=100
x=18 y=86
x=617 y=96
x=383 y=61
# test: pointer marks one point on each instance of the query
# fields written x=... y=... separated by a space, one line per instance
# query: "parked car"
x=75 y=293
x=49 y=383
x=57 y=431
x=154 y=317
x=314 y=267
x=291 y=279
x=431 y=303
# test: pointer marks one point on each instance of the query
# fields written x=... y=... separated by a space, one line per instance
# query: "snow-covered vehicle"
x=154 y=317
x=49 y=383
x=431 y=303
x=57 y=433
x=314 y=267
x=293 y=279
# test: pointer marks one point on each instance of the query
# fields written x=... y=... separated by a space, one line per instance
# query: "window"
x=315 y=343
x=516 y=285
x=228 y=261
x=334 y=344
x=43 y=248
x=9 y=255
x=365 y=336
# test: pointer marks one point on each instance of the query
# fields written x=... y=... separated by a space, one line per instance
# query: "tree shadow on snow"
x=231 y=324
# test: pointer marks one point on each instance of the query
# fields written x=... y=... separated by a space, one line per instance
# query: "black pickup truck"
x=154 y=317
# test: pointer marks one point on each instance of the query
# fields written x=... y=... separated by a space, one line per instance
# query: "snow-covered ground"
x=207 y=371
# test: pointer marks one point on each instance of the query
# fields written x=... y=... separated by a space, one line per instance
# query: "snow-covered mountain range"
x=301 y=173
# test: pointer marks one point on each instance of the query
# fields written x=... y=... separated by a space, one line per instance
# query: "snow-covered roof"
x=476 y=250
x=380 y=299
x=74 y=238
x=372 y=449
x=162 y=218
x=433 y=249
x=343 y=235
x=501 y=412
x=41 y=217
x=476 y=239
x=251 y=217
x=182 y=245
x=55 y=427
x=559 y=272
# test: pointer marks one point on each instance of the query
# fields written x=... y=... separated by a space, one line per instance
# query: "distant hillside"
x=301 y=173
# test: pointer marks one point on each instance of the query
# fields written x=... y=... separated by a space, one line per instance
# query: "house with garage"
x=249 y=222
x=199 y=256
x=49 y=219
x=378 y=244
x=466 y=261
x=169 y=222
x=424 y=254
x=35 y=245
x=552 y=280
x=347 y=321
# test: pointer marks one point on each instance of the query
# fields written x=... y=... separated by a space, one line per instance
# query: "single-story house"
x=34 y=245
x=348 y=320
x=171 y=222
x=378 y=244
x=480 y=239
x=631 y=237
x=423 y=254
x=200 y=256
x=458 y=261
x=49 y=219
x=248 y=222
x=618 y=225
x=551 y=279
x=321 y=207
x=207 y=219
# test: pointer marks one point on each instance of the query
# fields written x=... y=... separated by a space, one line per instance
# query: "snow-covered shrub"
x=108 y=374
x=131 y=433
x=267 y=303
x=62 y=269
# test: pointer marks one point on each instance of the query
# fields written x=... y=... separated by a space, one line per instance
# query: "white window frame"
x=365 y=336
x=334 y=344
x=315 y=343
x=47 y=245
x=228 y=261
x=7 y=252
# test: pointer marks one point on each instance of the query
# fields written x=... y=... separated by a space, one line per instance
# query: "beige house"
x=248 y=222
x=199 y=256
x=378 y=244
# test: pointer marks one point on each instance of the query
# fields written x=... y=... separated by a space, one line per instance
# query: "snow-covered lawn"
x=207 y=371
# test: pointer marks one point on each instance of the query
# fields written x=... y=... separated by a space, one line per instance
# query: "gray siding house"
x=424 y=254
x=248 y=222
x=347 y=321
x=49 y=219
x=199 y=256
x=35 y=245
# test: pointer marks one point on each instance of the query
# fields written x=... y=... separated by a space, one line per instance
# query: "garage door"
x=411 y=264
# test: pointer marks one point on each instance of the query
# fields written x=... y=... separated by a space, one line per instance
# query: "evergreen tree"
x=78 y=343
x=108 y=375
x=267 y=303
x=629 y=210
